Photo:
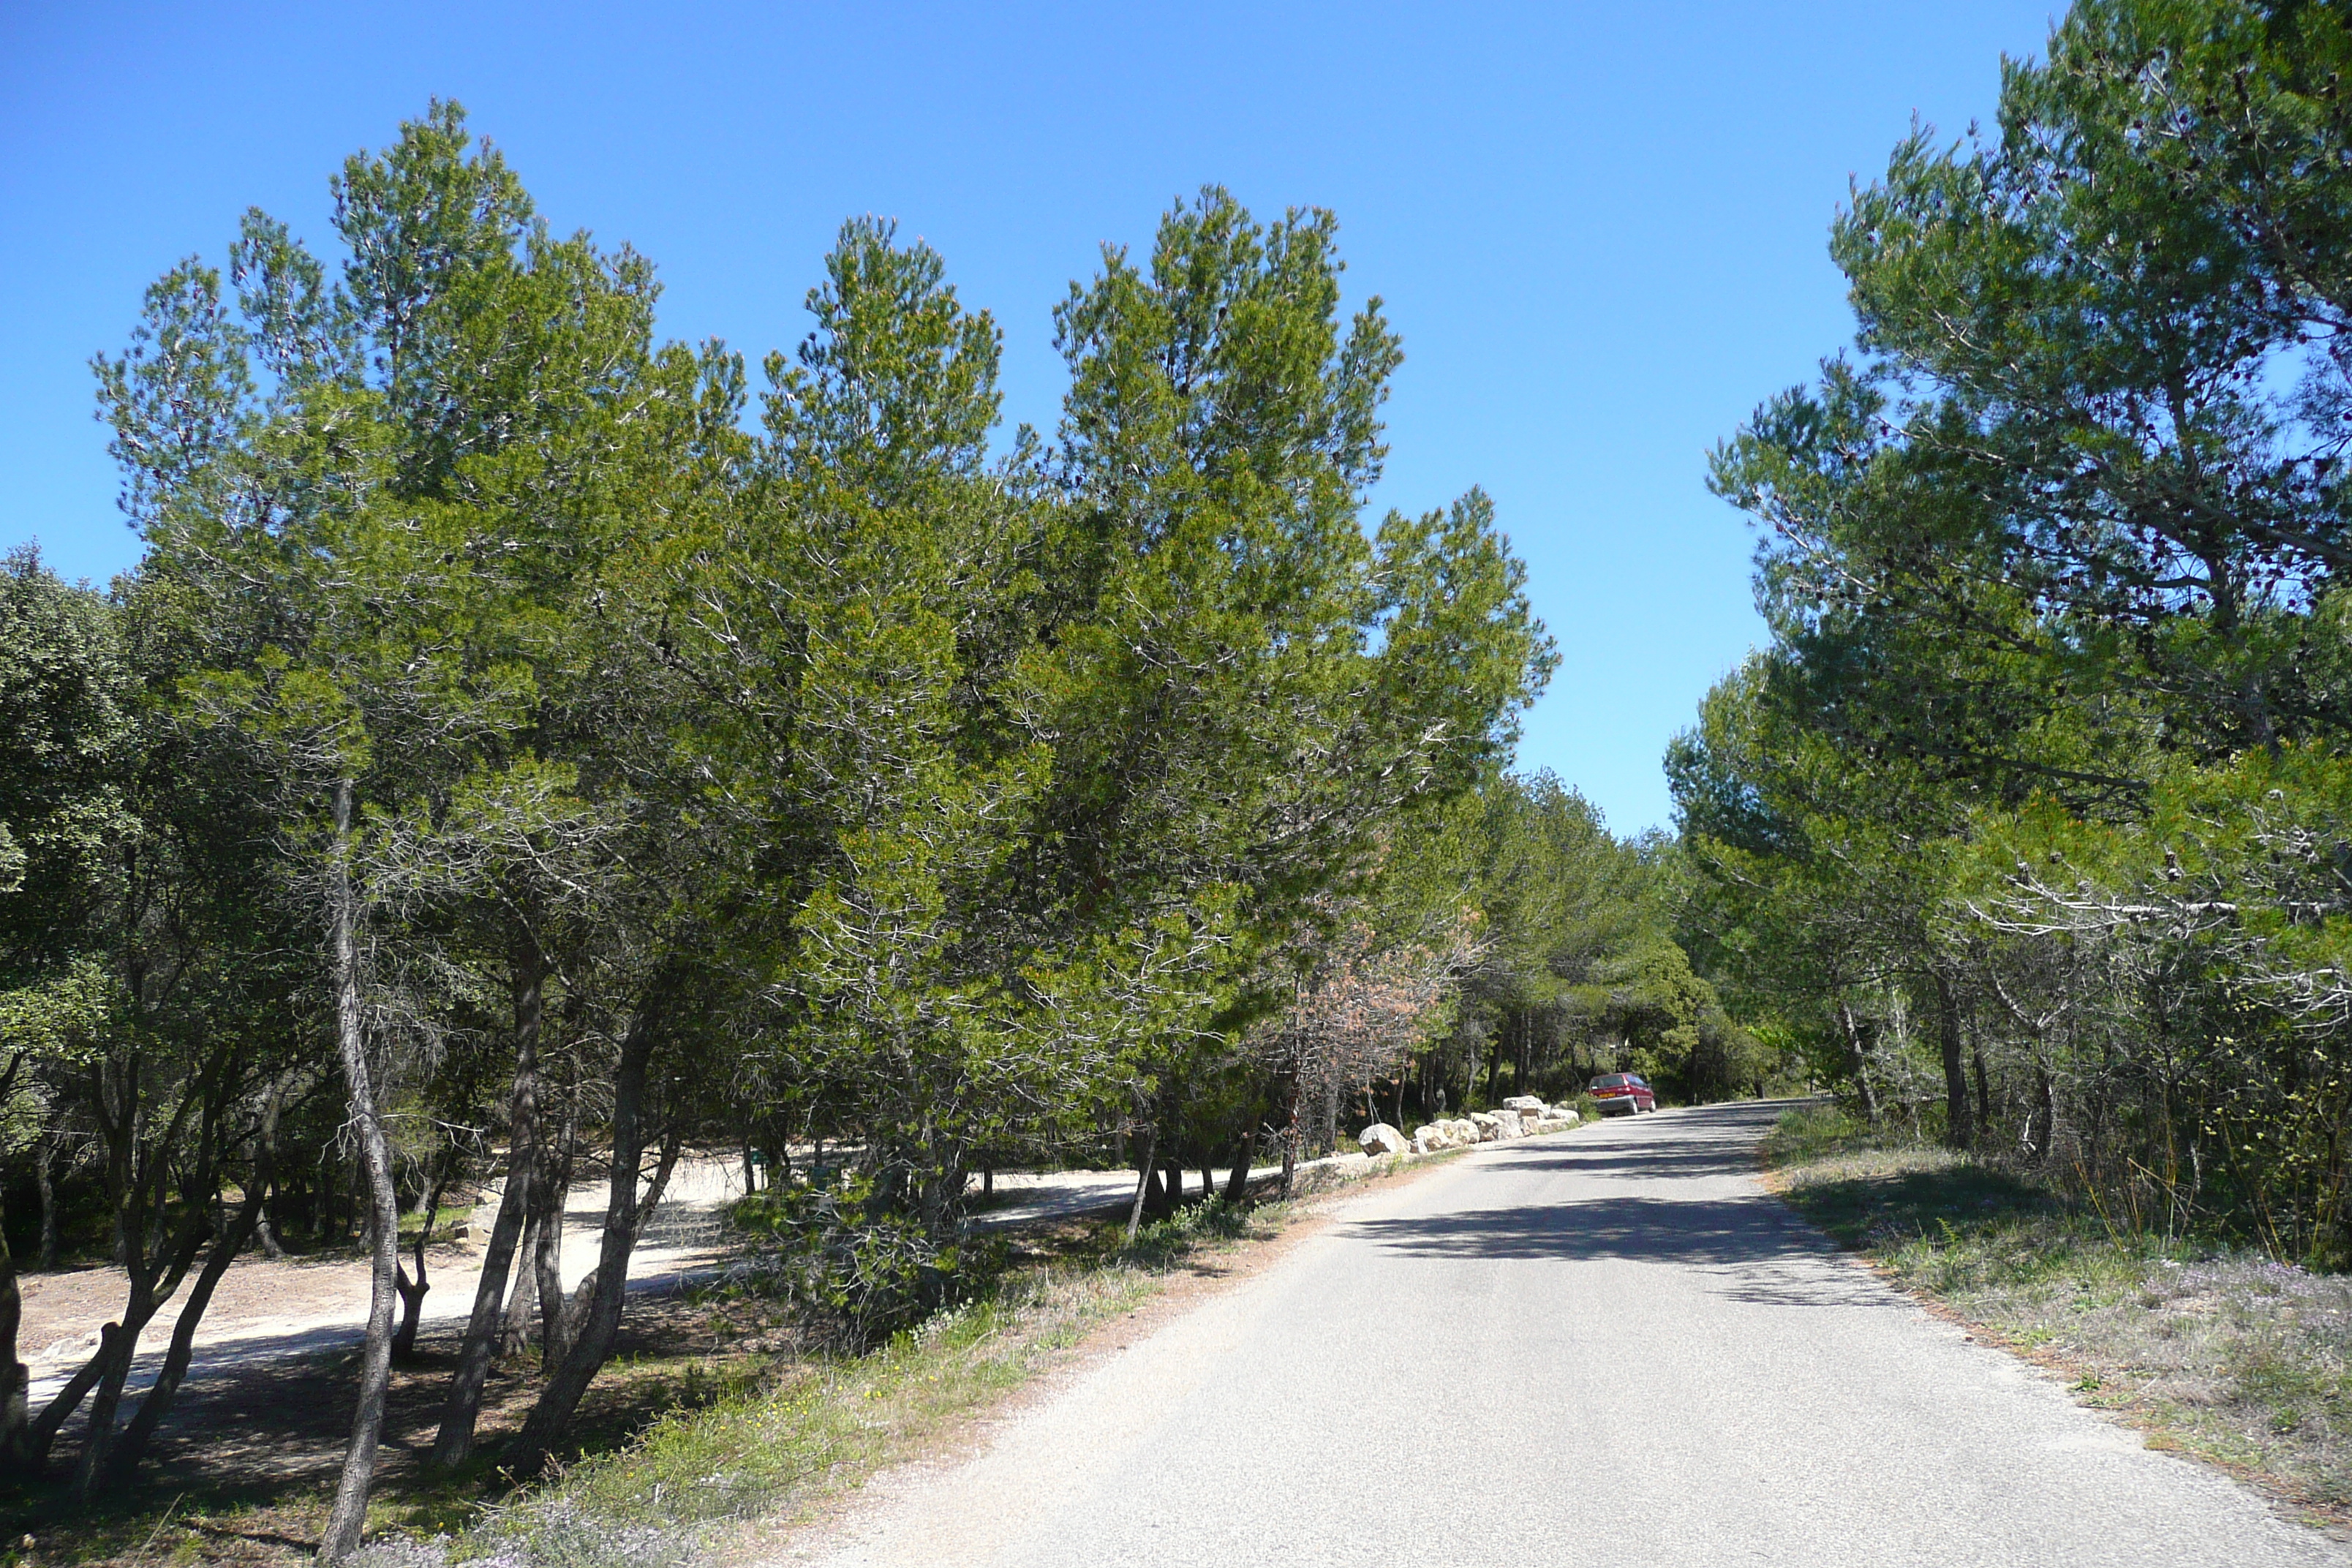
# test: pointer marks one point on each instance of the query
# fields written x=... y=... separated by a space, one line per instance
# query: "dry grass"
x=2215 y=1349
x=710 y=1420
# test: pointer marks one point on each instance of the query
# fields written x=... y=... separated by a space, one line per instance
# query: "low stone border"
x=1522 y=1116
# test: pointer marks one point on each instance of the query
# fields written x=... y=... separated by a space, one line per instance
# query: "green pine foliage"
x=528 y=747
x=2027 y=829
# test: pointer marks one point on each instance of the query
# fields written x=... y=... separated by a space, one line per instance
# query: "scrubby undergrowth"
x=2216 y=1348
x=784 y=1437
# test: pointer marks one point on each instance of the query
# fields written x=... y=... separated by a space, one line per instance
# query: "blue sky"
x=1601 y=229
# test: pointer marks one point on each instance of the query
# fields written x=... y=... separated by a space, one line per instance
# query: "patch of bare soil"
x=243 y=1472
x=244 y=1469
x=66 y=1307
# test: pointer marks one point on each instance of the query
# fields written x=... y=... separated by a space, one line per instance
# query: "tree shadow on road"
x=1671 y=1163
x=1751 y=1247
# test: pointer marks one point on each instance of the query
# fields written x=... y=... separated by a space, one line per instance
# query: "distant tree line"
x=2032 y=828
x=532 y=752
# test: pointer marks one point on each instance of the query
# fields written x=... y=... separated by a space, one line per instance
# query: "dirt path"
x=267 y=1311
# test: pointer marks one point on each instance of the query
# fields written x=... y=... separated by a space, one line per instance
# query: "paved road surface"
x=1603 y=1347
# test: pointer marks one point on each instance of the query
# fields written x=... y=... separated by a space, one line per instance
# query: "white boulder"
x=1529 y=1107
x=1495 y=1125
x=1379 y=1139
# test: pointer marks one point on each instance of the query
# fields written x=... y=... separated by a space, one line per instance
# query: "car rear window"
x=1611 y=1080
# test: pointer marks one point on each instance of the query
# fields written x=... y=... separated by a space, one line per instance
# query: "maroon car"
x=1623 y=1092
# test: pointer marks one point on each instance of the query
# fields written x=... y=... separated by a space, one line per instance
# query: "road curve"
x=1604 y=1347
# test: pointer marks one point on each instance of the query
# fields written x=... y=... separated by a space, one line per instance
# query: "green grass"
x=772 y=1441
x=687 y=1450
x=766 y=1448
x=2216 y=1348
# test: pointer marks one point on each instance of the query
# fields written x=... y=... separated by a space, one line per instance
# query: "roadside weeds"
x=786 y=1439
x=2214 y=1351
x=715 y=1437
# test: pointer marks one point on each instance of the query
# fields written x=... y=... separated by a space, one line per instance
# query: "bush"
x=854 y=1271
x=1162 y=1244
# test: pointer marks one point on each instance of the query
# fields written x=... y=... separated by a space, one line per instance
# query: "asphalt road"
x=1605 y=1347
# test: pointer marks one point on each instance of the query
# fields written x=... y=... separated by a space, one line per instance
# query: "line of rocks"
x=1522 y=1116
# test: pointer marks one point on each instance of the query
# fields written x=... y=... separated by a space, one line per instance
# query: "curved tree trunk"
x=522 y=1304
x=67 y=1400
x=1144 y=1165
x=625 y=1214
x=464 y=1409
x=342 y=1536
x=152 y=1281
x=1238 y=1184
x=547 y=1259
x=413 y=1292
x=132 y=1445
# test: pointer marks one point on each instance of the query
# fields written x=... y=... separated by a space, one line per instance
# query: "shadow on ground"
x=1749 y=1243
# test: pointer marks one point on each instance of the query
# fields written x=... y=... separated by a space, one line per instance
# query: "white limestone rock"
x=1379 y=1139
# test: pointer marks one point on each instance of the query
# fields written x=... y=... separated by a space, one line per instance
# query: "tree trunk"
x=549 y=1257
x=69 y=1398
x=1959 y=1129
x=522 y=1307
x=1238 y=1184
x=1327 y=1118
x=1290 y=1133
x=2046 y=1095
x=43 y=1153
x=1984 y=1090
x=555 y=1316
x=625 y=1213
x=118 y=1115
x=342 y=1536
x=158 y=1401
x=15 y=1378
x=1142 y=1180
x=454 y=1441
x=1859 y=1060
x=413 y=1292
x=152 y=1281
x=266 y=1161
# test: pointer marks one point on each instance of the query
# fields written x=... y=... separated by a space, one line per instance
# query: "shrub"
x=854 y=1271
